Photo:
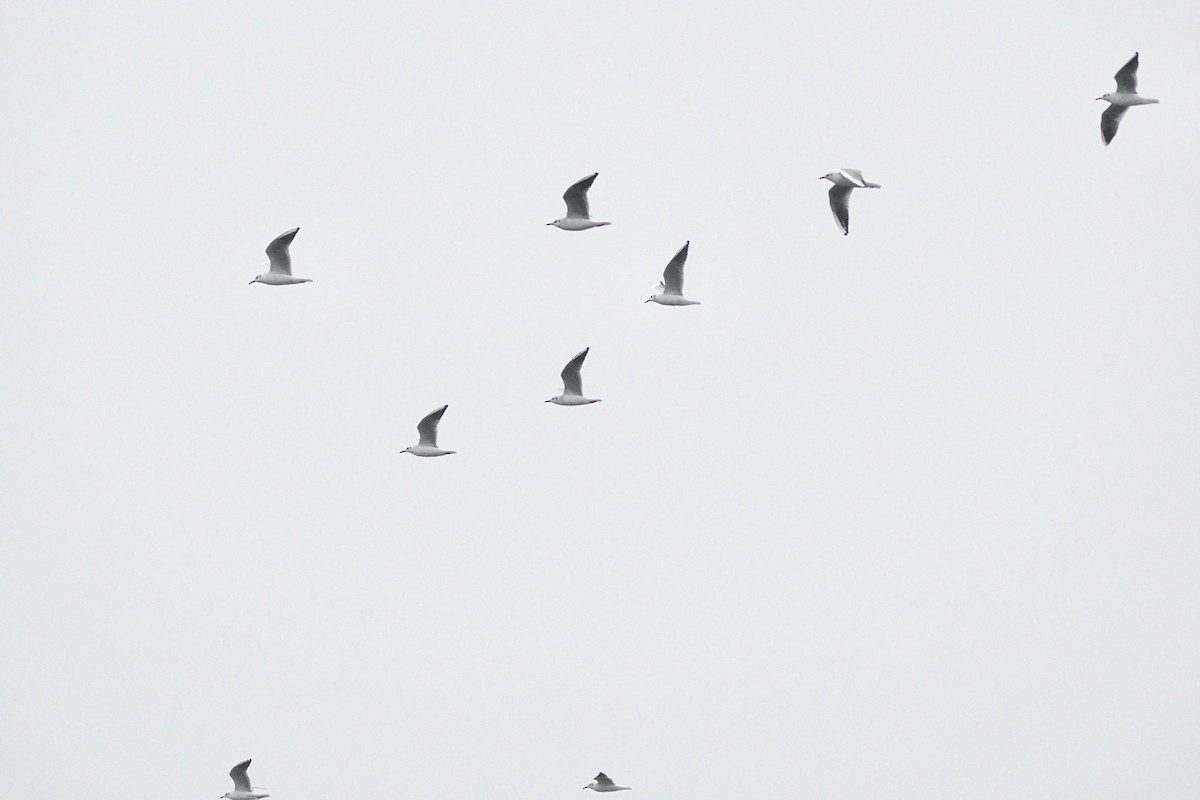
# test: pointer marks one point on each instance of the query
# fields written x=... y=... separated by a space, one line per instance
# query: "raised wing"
x=854 y=175
x=572 y=374
x=839 y=201
x=1109 y=121
x=240 y=774
x=1127 y=76
x=281 y=260
x=576 y=197
x=427 y=428
x=673 y=279
x=601 y=778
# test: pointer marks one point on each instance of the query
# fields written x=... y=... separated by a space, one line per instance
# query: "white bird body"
x=281 y=262
x=569 y=400
x=603 y=783
x=844 y=182
x=572 y=377
x=578 y=216
x=1119 y=101
x=670 y=290
x=672 y=299
x=242 y=790
x=427 y=430
x=577 y=224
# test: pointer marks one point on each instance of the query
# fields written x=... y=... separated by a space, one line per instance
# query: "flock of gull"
x=670 y=289
x=668 y=293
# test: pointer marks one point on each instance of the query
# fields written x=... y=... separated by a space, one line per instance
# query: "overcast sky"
x=911 y=513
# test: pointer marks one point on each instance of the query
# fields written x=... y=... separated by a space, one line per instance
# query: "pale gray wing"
x=854 y=175
x=1126 y=77
x=576 y=197
x=839 y=201
x=673 y=275
x=281 y=260
x=427 y=428
x=1109 y=121
x=240 y=773
x=601 y=778
x=572 y=376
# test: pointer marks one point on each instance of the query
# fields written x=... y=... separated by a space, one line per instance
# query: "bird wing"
x=281 y=260
x=1127 y=76
x=240 y=774
x=854 y=175
x=576 y=197
x=571 y=374
x=427 y=428
x=839 y=201
x=1109 y=121
x=673 y=276
x=603 y=779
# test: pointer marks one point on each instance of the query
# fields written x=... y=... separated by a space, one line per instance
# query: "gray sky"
x=906 y=514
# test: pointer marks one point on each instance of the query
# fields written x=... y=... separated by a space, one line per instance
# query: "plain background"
x=911 y=513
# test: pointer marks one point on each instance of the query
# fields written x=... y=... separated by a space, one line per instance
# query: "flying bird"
x=242 y=790
x=427 y=428
x=670 y=290
x=1119 y=101
x=844 y=182
x=281 y=262
x=572 y=394
x=577 y=218
x=603 y=783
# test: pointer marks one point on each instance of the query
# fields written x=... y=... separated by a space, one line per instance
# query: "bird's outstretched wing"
x=240 y=774
x=839 y=201
x=1126 y=76
x=427 y=428
x=673 y=280
x=576 y=197
x=281 y=260
x=572 y=376
x=1109 y=121
x=601 y=778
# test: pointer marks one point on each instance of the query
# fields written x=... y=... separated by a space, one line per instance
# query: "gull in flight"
x=1119 y=101
x=572 y=394
x=577 y=218
x=281 y=262
x=603 y=783
x=844 y=182
x=242 y=790
x=427 y=428
x=670 y=290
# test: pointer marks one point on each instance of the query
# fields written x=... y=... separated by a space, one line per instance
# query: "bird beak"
x=549 y=223
x=252 y=282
